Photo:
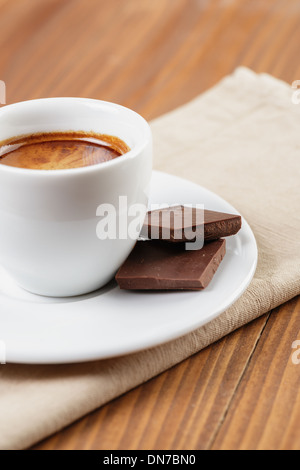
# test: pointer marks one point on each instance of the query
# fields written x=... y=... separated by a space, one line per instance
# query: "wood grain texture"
x=265 y=411
x=181 y=409
x=242 y=392
x=153 y=55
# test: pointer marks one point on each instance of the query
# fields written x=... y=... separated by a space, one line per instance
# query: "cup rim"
x=137 y=149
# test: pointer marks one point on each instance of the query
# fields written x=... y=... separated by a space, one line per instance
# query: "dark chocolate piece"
x=155 y=265
x=169 y=224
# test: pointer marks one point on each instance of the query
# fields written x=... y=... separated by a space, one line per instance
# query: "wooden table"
x=153 y=55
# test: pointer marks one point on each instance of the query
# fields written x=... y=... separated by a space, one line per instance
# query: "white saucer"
x=111 y=322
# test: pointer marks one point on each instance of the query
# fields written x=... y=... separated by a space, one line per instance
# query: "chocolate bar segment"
x=155 y=265
x=180 y=223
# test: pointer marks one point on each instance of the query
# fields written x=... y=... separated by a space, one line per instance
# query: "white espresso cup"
x=49 y=220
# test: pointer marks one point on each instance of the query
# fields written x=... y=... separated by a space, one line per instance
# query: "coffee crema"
x=60 y=150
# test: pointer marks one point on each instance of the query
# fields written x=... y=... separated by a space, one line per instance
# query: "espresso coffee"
x=61 y=150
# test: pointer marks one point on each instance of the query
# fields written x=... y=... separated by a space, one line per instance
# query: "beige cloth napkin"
x=241 y=139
